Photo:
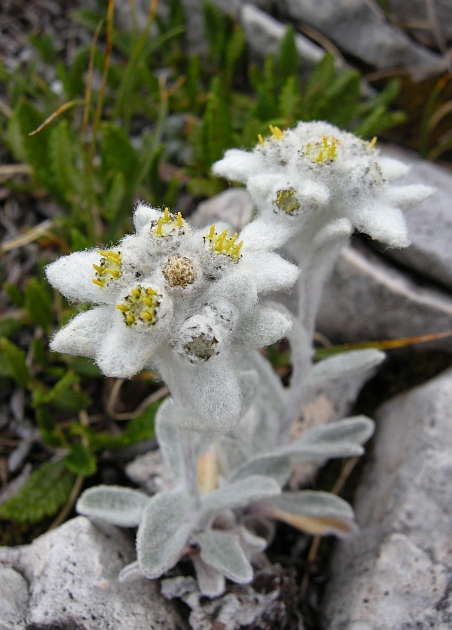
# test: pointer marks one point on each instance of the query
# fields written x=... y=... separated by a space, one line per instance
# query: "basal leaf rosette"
x=183 y=302
x=314 y=174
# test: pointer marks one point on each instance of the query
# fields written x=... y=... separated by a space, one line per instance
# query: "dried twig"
x=69 y=504
x=28 y=237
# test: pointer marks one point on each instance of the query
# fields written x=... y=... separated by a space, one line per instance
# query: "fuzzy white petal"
x=392 y=169
x=143 y=215
x=125 y=351
x=73 y=275
x=238 y=165
x=84 y=334
x=261 y=235
x=381 y=222
x=271 y=272
x=406 y=196
x=260 y=328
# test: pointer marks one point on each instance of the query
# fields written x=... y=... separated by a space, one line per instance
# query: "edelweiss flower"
x=316 y=174
x=182 y=302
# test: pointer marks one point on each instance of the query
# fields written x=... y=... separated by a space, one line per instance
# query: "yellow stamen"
x=102 y=253
x=237 y=249
x=97 y=268
x=373 y=142
x=212 y=231
x=99 y=283
x=147 y=315
x=179 y=219
x=151 y=291
x=159 y=227
x=130 y=319
x=231 y=242
x=320 y=156
x=113 y=272
x=260 y=138
x=136 y=292
x=325 y=142
x=148 y=301
x=221 y=238
x=276 y=132
x=333 y=148
x=112 y=254
x=122 y=308
x=166 y=215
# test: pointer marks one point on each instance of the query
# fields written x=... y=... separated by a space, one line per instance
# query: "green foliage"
x=14 y=362
x=38 y=303
x=42 y=495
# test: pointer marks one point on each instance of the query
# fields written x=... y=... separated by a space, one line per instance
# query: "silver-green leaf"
x=223 y=552
x=347 y=363
x=118 y=506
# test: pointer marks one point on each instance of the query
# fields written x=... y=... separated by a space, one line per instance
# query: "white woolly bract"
x=314 y=174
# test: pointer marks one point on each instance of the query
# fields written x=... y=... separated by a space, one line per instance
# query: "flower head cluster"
x=315 y=174
x=183 y=302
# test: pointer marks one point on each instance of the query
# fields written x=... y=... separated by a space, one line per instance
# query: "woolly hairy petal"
x=167 y=435
x=406 y=196
x=238 y=288
x=223 y=552
x=210 y=581
x=84 y=334
x=333 y=233
x=381 y=222
x=241 y=493
x=261 y=327
x=119 y=506
x=163 y=532
x=347 y=363
x=264 y=186
x=271 y=272
x=238 y=165
x=261 y=234
x=73 y=275
x=211 y=389
x=124 y=351
x=392 y=169
x=143 y=215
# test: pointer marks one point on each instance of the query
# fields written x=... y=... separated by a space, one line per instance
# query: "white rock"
x=264 y=35
x=13 y=599
x=396 y=572
x=366 y=299
x=430 y=222
x=72 y=576
x=150 y=472
x=360 y=30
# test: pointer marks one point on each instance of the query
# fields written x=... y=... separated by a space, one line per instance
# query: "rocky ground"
x=397 y=571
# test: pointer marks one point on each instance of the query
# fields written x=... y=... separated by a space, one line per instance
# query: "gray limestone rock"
x=359 y=29
x=366 y=299
x=232 y=206
x=72 y=576
x=396 y=572
x=430 y=222
x=13 y=599
x=149 y=472
x=417 y=10
x=264 y=35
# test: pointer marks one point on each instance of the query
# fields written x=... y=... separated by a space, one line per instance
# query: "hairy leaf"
x=240 y=493
x=118 y=506
x=223 y=552
x=347 y=363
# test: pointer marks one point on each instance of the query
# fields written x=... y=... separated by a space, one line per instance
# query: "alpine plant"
x=194 y=306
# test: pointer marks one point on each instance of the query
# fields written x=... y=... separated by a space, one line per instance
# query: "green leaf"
x=44 y=419
x=289 y=98
x=80 y=461
x=234 y=50
x=63 y=395
x=38 y=304
x=45 y=46
x=14 y=293
x=65 y=158
x=142 y=428
x=42 y=495
x=79 y=241
x=9 y=327
x=288 y=56
x=15 y=358
x=215 y=133
x=85 y=367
